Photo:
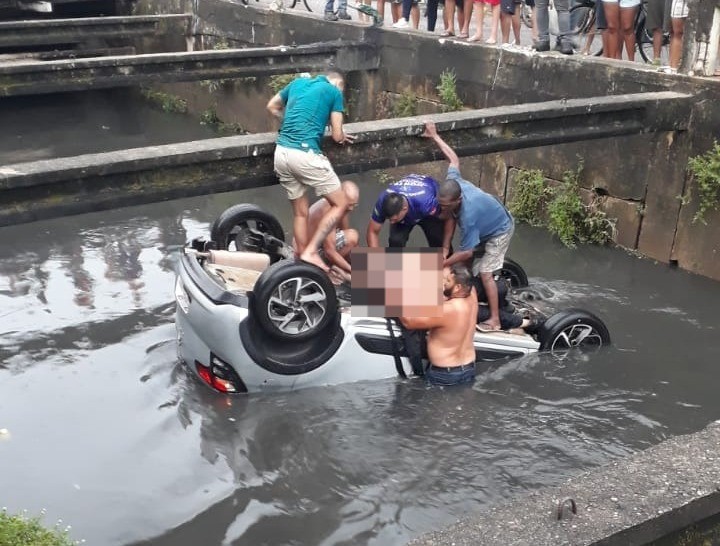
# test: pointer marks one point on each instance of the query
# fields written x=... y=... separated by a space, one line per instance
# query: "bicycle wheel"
x=586 y=38
x=644 y=45
x=526 y=14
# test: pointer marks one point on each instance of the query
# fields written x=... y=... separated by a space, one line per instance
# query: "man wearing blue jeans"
x=564 y=40
x=342 y=11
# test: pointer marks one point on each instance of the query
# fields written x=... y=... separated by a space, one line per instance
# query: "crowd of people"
x=322 y=235
x=614 y=23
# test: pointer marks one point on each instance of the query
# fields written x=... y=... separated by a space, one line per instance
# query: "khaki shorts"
x=494 y=256
x=299 y=170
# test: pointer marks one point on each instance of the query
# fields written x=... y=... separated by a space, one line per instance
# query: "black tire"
x=286 y=282
x=231 y=226
x=514 y=273
x=573 y=328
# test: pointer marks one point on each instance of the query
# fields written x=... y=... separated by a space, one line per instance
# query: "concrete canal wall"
x=640 y=177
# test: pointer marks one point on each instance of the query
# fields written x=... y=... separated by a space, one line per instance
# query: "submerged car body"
x=255 y=326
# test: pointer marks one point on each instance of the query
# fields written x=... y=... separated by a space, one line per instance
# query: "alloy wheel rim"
x=297 y=305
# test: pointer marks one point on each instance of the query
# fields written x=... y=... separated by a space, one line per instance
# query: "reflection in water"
x=144 y=454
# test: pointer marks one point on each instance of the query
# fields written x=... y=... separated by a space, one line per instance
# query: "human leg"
x=449 y=13
x=432 y=7
x=350 y=239
x=495 y=24
x=627 y=27
x=563 y=14
x=678 y=13
x=485 y=266
x=399 y=234
x=542 y=19
x=468 y=11
x=479 y=9
x=612 y=18
x=338 y=206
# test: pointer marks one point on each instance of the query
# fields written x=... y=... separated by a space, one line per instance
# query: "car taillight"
x=220 y=376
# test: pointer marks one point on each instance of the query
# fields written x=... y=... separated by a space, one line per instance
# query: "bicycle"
x=526 y=14
x=583 y=24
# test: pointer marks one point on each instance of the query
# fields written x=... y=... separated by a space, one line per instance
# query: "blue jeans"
x=543 y=19
x=342 y=5
x=453 y=376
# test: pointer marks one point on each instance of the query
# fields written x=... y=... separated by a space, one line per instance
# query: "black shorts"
x=508 y=6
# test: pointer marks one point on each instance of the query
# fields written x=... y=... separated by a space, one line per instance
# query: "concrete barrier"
x=637 y=500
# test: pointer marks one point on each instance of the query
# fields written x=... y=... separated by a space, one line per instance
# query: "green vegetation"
x=406 y=105
x=210 y=117
x=279 y=81
x=447 y=89
x=705 y=171
x=167 y=102
x=561 y=209
x=19 y=530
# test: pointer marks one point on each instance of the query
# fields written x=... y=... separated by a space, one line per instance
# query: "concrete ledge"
x=635 y=500
x=80 y=30
x=33 y=78
x=50 y=188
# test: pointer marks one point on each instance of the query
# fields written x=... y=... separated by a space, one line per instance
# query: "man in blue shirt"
x=409 y=202
x=486 y=226
x=306 y=106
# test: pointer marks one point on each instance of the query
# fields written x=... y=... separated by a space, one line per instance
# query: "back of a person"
x=309 y=103
x=452 y=344
x=482 y=210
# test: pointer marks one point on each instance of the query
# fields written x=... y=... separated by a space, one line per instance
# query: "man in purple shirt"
x=409 y=202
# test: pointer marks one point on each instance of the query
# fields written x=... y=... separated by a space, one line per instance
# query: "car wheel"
x=573 y=328
x=232 y=229
x=293 y=301
x=514 y=273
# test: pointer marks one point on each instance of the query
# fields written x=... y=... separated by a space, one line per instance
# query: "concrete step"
x=19 y=34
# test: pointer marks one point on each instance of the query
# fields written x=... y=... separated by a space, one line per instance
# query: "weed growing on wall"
x=447 y=89
x=279 y=81
x=705 y=171
x=406 y=105
x=167 y=102
x=530 y=198
x=560 y=208
x=20 y=530
x=210 y=117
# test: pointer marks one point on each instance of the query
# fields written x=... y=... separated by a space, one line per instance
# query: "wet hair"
x=462 y=275
x=449 y=189
x=392 y=204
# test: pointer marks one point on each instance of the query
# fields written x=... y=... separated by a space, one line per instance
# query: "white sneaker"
x=402 y=23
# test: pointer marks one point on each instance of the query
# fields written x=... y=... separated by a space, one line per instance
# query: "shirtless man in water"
x=450 y=337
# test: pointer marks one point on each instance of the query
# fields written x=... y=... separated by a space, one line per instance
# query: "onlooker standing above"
x=485 y=223
x=305 y=106
x=342 y=11
x=409 y=8
x=658 y=22
x=409 y=202
x=564 y=42
x=510 y=15
x=620 y=17
x=678 y=14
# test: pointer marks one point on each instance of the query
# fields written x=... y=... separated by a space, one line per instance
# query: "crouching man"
x=450 y=336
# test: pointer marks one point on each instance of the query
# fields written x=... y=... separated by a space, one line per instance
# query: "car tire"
x=229 y=228
x=572 y=328
x=278 y=306
x=514 y=273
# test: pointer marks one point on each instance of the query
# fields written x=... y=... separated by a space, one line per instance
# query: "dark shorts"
x=600 y=21
x=508 y=6
x=457 y=375
x=658 y=15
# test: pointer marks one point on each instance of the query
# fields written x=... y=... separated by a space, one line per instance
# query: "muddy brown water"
x=107 y=432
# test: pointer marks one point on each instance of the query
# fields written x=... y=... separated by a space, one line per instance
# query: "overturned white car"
x=254 y=319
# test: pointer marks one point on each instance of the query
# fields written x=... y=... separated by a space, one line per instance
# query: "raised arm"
x=431 y=132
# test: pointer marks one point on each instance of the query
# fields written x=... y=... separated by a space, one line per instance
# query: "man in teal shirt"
x=306 y=106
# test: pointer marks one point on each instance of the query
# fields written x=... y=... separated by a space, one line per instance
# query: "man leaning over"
x=305 y=106
x=450 y=347
x=485 y=224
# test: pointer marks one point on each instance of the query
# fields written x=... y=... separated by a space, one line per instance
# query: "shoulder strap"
x=395 y=349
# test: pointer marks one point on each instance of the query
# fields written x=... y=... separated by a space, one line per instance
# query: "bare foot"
x=315 y=259
x=341 y=274
x=488 y=326
x=491 y=41
x=475 y=38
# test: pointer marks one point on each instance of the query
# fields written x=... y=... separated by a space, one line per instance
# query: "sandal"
x=447 y=34
x=475 y=39
x=463 y=35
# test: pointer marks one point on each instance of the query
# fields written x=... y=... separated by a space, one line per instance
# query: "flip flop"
x=447 y=34
x=475 y=39
x=463 y=35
